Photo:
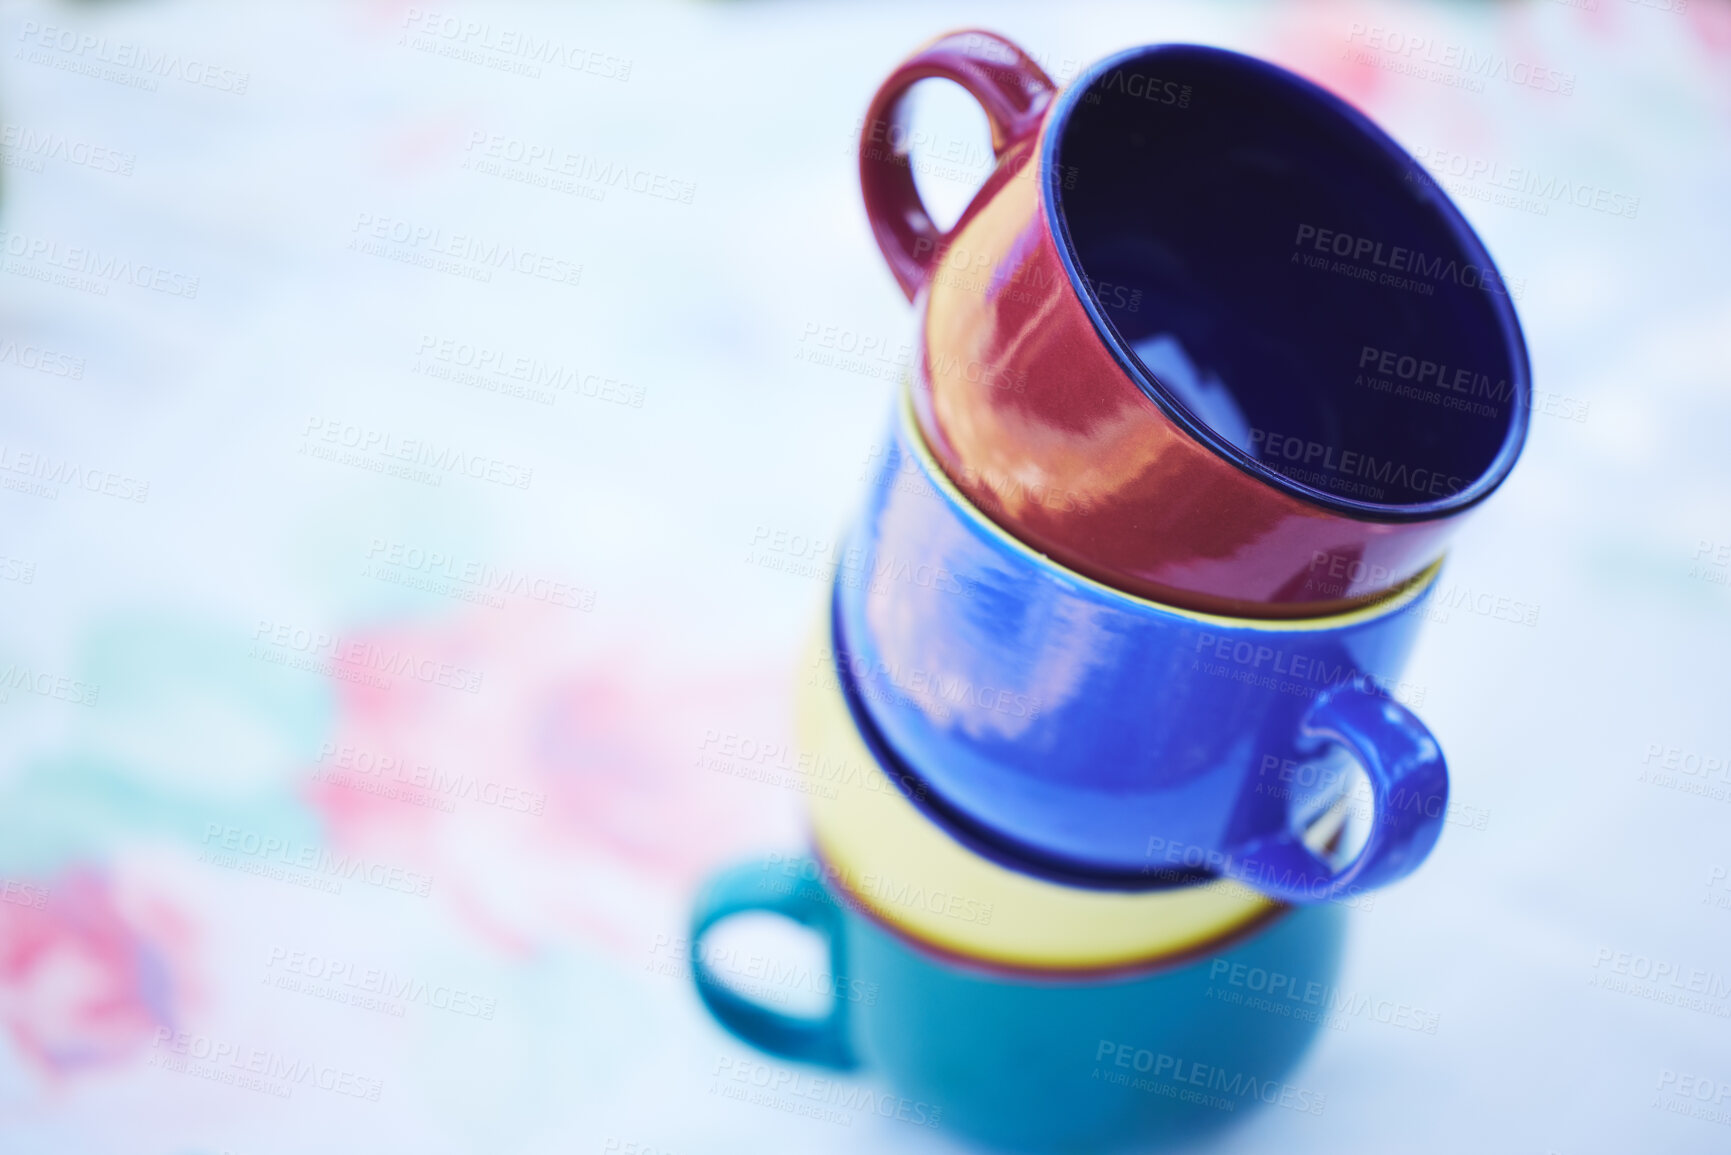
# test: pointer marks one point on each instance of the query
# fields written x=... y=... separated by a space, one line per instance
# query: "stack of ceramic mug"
x=1109 y=703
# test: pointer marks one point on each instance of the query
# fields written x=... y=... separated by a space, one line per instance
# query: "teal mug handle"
x=766 y=886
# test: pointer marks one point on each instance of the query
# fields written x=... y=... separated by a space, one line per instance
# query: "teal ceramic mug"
x=1134 y=1058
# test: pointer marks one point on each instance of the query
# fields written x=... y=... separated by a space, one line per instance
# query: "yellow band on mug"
x=911 y=875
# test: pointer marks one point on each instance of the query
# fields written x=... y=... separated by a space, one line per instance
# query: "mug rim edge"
x=1466 y=238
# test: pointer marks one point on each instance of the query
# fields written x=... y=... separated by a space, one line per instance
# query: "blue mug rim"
x=1514 y=342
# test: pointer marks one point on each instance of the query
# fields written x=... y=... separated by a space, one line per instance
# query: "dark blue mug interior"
x=1286 y=282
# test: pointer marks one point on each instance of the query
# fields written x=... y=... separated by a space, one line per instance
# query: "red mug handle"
x=1009 y=86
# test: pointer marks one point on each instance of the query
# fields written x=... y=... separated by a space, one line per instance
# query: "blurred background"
x=426 y=432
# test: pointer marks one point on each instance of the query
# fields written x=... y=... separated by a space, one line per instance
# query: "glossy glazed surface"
x=1034 y=1064
x=912 y=874
x=1108 y=735
x=1132 y=364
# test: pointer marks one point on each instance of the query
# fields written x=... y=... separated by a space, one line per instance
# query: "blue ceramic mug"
x=1104 y=736
x=1139 y=1057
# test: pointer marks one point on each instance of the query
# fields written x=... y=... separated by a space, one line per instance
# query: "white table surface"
x=643 y=519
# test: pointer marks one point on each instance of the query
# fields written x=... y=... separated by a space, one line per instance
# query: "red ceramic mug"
x=1206 y=333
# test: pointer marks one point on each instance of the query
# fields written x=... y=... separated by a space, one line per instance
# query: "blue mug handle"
x=764 y=886
x=1409 y=786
